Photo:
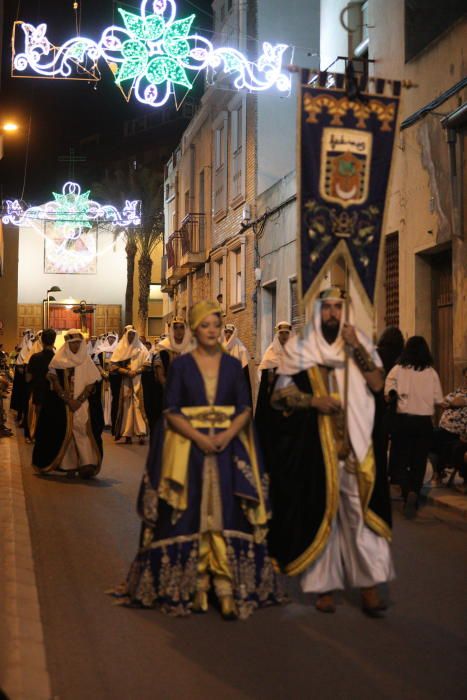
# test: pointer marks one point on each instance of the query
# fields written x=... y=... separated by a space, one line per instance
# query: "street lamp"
x=10 y=127
x=52 y=289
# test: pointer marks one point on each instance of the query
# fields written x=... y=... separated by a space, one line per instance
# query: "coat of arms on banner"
x=345 y=165
x=345 y=146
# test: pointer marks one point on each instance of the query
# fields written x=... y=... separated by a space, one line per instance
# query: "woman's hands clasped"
x=211 y=444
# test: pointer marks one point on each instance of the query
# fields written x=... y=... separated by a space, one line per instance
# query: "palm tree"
x=145 y=184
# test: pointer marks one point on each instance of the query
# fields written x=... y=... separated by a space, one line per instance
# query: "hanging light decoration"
x=149 y=55
x=71 y=215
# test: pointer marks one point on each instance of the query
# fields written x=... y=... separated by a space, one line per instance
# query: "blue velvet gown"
x=165 y=571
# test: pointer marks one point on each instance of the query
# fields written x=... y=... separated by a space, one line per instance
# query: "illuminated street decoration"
x=151 y=54
x=65 y=223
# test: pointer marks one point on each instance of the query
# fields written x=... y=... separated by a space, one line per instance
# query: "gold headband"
x=202 y=310
x=333 y=293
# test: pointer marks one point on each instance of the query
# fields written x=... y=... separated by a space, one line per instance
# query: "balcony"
x=174 y=253
x=192 y=240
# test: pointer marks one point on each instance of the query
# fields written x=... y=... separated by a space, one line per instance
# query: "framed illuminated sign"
x=69 y=225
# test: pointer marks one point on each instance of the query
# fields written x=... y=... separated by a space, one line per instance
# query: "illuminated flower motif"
x=72 y=207
x=155 y=49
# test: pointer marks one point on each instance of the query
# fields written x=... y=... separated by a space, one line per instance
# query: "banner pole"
x=345 y=442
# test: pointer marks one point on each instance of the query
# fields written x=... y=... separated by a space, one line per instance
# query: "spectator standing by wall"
x=418 y=390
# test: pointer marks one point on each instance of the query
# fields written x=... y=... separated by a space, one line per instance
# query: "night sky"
x=59 y=111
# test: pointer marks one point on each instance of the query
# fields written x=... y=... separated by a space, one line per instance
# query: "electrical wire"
x=26 y=160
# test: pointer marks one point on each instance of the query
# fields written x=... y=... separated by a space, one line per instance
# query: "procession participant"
x=178 y=341
x=17 y=401
x=127 y=362
x=202 y=499
x=152 y=389
x=331 y=508
x=69 y=428
x=104 y=352
x=417 y=389
x=234 y=346
x=93 y=345
x=36 y=378
x=265 y=416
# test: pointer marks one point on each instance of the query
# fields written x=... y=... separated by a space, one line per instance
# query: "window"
x=218 y=269
x=201 y=208
x=297 y=318
x=237 y=149
x=269 y=309
x=219 y=190
x=391 y=245
x=187 y=202
x=235 y=277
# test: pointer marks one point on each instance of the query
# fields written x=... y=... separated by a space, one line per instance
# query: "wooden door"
x=443 y=319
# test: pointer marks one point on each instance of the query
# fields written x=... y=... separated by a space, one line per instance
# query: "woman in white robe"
x=128 y=361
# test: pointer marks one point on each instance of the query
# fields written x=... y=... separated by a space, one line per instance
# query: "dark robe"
x=164 y=572
x=18 y=390
x=153 y=396
x=53 y=422
x=266 y=418
x=298 y=485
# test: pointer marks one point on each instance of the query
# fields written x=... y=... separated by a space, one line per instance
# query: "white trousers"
x=133 y=423
x=80 y=449
x=107 y=403
x=353 y=552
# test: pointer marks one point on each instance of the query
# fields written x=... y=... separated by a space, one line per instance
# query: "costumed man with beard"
x=70 y=423
x=36 y=377
x=232 y=344
x=17 y=401
x=178 y=342
x=103 y=354
x=331 y=509
x=127 y=362
x=265 y=416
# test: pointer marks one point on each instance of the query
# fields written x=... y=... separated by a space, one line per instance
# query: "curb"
x=24 y=674
x=447 y=500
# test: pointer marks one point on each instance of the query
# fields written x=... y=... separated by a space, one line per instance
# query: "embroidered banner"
x=345 y=152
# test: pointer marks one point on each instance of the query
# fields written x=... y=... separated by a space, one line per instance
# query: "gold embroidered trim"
x=332 y=482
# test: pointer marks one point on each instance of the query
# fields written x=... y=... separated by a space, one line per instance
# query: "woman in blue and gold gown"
x=203 y=499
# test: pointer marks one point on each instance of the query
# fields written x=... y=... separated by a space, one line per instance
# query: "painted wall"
x=105 y=287
x=295 y=22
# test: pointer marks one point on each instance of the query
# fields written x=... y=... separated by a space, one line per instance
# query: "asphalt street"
x=84 y=536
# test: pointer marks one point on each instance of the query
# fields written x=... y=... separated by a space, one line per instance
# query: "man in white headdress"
x=127 y=362
x=70 y=423
x=265 y=415
x=234 y=346
x=104 y=351
x=331 y=510
x=178 y=341
x=18 y=393
x=93 y=345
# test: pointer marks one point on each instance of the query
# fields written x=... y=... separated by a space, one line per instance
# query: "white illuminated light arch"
x=151 y=54
x=72 y=214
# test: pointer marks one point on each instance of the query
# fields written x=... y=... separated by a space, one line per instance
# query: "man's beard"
x=330 y=332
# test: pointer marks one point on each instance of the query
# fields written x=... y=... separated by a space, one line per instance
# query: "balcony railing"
x=173 y=249
x=193 y=243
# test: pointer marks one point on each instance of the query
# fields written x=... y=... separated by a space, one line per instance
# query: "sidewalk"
x=23 y=666
x=443 y=497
